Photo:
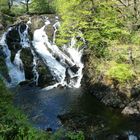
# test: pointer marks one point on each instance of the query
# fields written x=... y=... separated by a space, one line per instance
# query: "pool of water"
x=43 y=108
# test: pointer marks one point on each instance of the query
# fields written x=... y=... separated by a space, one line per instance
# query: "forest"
x=107 y=32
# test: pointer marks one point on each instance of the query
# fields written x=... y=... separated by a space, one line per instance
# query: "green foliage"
x=41 y=6
x=18 y=10
x=135 y=38
x=75 y=135
x=120 y=72
x=3 y=4
x=97 y=20
x=13 y=123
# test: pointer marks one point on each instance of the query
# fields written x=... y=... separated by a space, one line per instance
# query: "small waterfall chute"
x=35 y=72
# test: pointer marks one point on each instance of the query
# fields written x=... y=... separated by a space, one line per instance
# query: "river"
x=74 y=108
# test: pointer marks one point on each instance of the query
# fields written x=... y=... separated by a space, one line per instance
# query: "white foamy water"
x=15 y=68
x=64 y=64
x=60 y=63
x=55 y=26
x=24 y=40
x=16 y=71
x=35 y=72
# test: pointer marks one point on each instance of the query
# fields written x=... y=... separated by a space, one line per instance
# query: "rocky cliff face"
x=110 y=92
x=13 y=41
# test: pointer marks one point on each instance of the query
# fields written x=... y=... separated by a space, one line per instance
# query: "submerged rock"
x=90 y=125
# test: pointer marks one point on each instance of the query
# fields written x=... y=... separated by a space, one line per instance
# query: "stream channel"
x=75 y=109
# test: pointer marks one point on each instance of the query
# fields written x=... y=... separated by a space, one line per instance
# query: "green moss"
x=135 y=38
x=120 y=72
x=18 y=10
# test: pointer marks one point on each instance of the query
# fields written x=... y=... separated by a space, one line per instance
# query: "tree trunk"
x=10 y=3
x=135 y=10
x=27 y=6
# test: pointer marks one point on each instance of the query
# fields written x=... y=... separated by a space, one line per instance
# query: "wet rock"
x=13 y=41
x=45 y=77
x=124 y=136
x=133 y=108
x=108 y=96
x=26 y=83
x=74 y=68
x=48 y=130
x=37 y=23
x=3 y=69
x=135 y=91
x=27 y=59
x=22 y=27
x=82 y=122
x=114 y=100
x=1 y=27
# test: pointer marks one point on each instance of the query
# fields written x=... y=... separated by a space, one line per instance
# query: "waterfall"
x=64 y=63
x=15 y=68
x=24 y=40
x=35 y=72
x=55 y=26
x=65 y=66
x=16 y=71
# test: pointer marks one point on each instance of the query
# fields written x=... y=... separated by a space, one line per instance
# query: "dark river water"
x=81 y=108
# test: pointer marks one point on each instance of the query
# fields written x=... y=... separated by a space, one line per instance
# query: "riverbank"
x=114 y=79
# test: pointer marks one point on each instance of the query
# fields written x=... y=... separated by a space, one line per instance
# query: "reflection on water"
x=43 y=107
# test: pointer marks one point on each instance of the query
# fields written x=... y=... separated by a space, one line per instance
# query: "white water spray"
x=35 y=72
x=59 y=63
x=16 y=72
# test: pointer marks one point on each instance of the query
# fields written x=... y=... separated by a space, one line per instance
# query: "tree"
x=42 y=6
x=10 y=3
x=130 y=11
x=97 y=20
x=27 y=5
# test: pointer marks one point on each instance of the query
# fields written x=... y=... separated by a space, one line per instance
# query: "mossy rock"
x=3 y=69
x=27 y=59
x=45 y=77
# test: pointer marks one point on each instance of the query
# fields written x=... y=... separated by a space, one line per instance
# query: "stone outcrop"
x=27 y=59
x=108 y=91
x=133 y=108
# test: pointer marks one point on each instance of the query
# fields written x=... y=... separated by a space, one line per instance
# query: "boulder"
x=45 y=77
x=27 y=59
x=133 y=108
x=1 y=27
x=13 y=41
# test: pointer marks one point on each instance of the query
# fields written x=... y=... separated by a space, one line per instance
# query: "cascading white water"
x=50 y=53
x=55 y=26
x=15 y=69
x=57 y=70
x=24 y=40
x=16 y=72
x=35 y=72
x=131 y=136
x=64 y=64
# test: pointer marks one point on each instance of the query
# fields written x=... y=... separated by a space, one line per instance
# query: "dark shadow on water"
x=43 y=107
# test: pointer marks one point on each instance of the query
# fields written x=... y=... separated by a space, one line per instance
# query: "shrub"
x=120 y=72
x=135 y=38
